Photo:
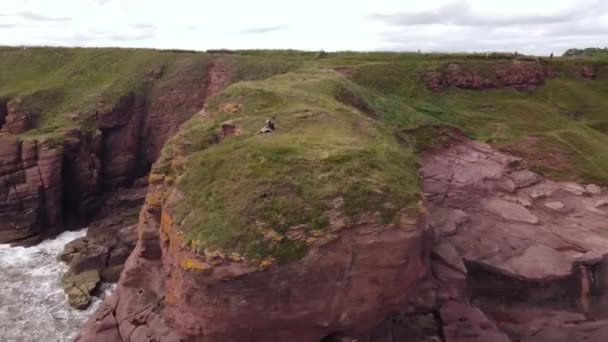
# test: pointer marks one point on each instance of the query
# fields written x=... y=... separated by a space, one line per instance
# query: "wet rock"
x=79 y=287
x=91 y=257
x=111 y=274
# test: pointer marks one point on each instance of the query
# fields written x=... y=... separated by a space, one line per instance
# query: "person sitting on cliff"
x=269 y=127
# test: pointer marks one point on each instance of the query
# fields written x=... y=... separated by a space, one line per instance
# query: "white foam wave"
x=33 y=306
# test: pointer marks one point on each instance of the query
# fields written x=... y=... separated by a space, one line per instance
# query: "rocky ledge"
x=529 y=252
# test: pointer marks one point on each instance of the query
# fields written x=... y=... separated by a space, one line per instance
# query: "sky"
x=527 y=26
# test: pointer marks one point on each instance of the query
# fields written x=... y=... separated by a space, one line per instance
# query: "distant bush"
x=588 y=52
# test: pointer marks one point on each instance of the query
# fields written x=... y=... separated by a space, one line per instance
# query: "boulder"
x=79 y=288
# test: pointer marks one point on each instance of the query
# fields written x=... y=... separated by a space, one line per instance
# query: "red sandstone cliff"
x=48 y=186
x=346 y=284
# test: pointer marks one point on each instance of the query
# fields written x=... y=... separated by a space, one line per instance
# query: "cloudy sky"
x=527 y=26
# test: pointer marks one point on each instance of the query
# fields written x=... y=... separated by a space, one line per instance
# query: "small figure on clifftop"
x=269 y=127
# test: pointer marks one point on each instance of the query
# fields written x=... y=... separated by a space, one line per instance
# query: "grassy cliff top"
x=60 y=87
x=350 y=128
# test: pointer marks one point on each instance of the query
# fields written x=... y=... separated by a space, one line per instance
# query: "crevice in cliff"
x=439 y=325
x=3 y=111
x=69 y=200
x=122 y=139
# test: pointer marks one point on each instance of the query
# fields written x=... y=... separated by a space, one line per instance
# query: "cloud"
x=458 y=26
x=461 y=13
x=143 y=25
x=7 y=25
x=263 y=30
x=96 y=36
x=103 y=2
x=577 y=29
x=39 y=17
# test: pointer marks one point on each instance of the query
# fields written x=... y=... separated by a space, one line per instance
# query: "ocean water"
x=33 y=306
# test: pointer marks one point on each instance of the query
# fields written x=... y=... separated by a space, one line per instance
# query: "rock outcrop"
x=518 y=74
x=13 y=119
x=534 y=251
x=30 y=189
x=345 y=285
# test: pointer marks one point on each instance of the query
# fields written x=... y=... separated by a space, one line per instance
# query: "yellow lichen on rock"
x=190 y=264
x=267 y=262
x=155 y=178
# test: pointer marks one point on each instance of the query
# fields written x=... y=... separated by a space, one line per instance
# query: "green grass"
x=569 y=113
x=345 y=145
x=323 y=151
x=54 y=81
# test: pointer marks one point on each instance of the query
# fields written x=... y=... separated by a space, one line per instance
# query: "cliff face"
x=345 y=285
x=53 y=184
x=30 y=189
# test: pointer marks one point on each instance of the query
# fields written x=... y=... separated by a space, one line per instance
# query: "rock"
x=16 y=120
x=525 y=178
x=446 y=222
x=538 y=263
x=510 y=211
x=91 y=257
x=588 y=331
x=574 y=188
x=554 y=205
x=464 y=323
x=593 y=189
x=110 y=239
x=30 y=190
x=588 y=72
x=535 y=268
x=79 y=287
x=521 y=75
x=601 y=203
x=525 y=201
x=111 y=274
x=446 y=252
x=71 y=249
